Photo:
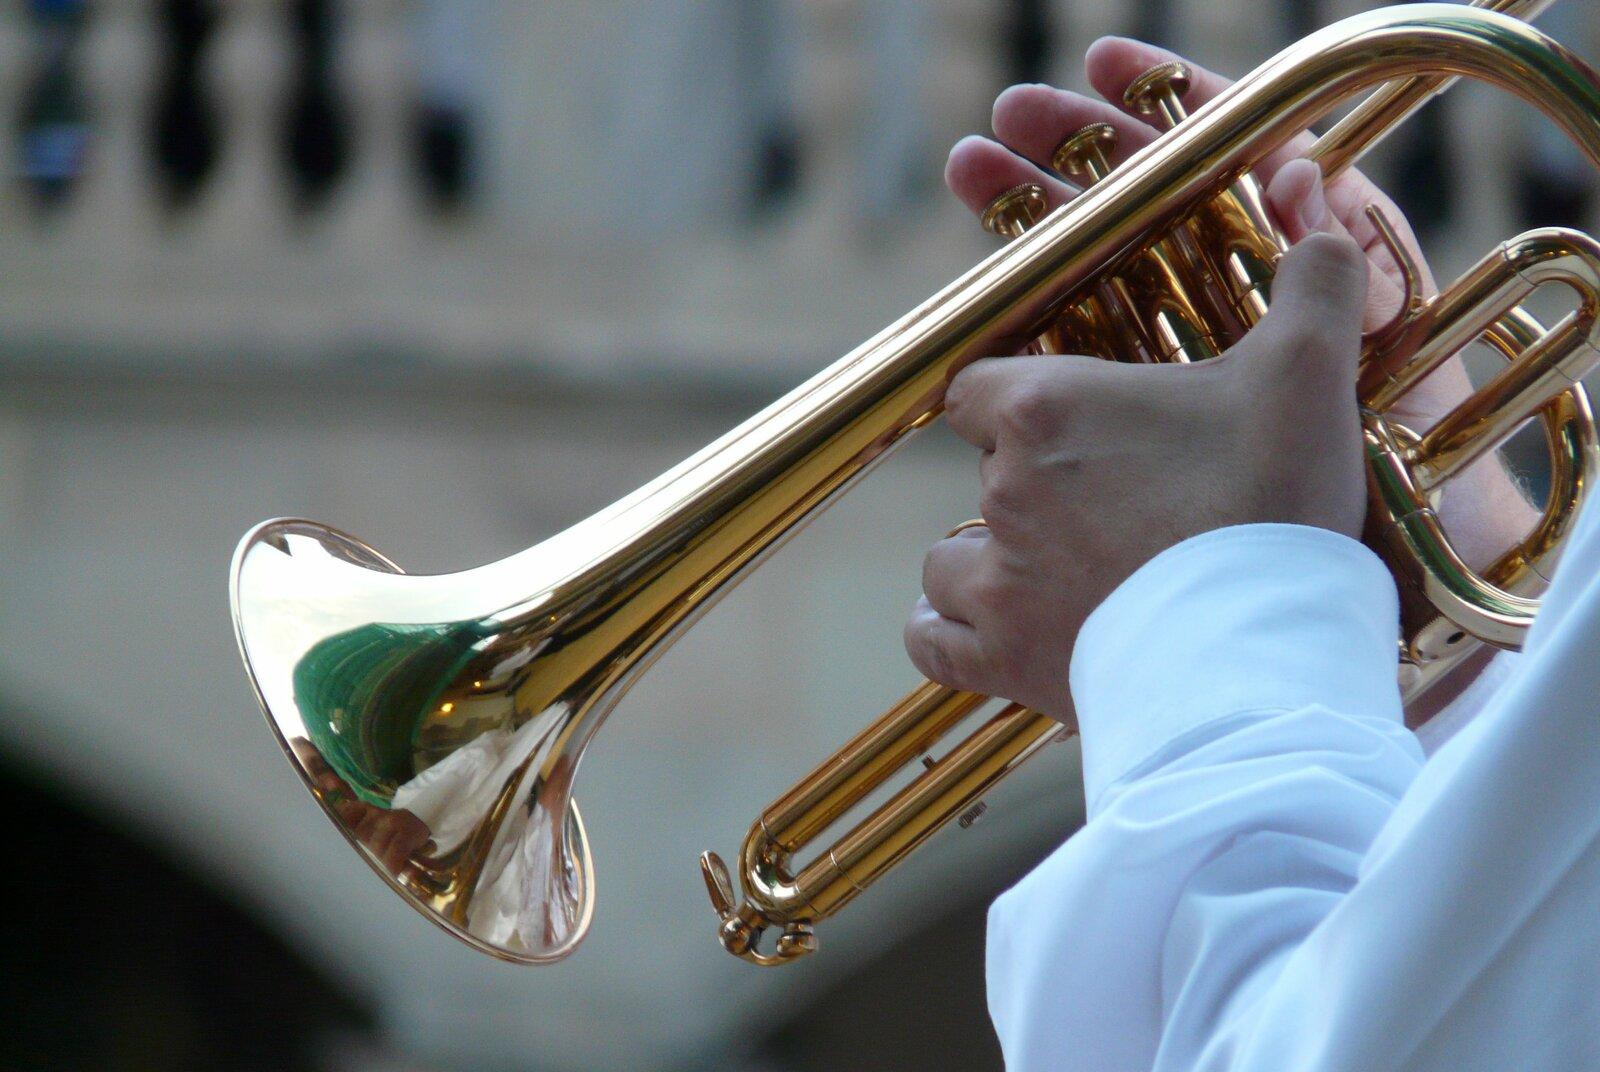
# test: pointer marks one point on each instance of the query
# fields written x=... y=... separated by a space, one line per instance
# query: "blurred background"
x=451 y=274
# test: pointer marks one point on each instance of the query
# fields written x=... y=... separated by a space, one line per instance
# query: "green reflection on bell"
x=365 y=694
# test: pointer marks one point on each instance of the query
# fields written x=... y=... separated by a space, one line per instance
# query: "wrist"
x=1486 y=512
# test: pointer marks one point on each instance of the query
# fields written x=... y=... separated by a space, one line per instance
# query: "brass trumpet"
x=440 y=720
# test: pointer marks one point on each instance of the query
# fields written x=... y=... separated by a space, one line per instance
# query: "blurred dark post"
x=1421 y=181
x=316 y=127
x=1154 y=21
x=184 y=135
x=1554 y=184
x=1300 y=18
x=448 y=98
x=1029 y=43
x=894 y=154
x=52 y=122
x=766 y=51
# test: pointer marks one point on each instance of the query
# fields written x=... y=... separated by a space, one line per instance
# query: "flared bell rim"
x=357 y=552
x=273 y=531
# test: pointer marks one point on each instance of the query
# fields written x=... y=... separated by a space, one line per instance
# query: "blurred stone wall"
x=454 y=387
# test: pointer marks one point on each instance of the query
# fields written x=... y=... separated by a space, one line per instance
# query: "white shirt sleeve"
x=1270 y=878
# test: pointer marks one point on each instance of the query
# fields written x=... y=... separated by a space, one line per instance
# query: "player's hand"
x=1483 y=509
x=1090 y=468
x=1030 y=121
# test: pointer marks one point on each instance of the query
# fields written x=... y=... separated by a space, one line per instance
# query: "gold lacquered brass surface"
x=440 y=720
x=1225 y=250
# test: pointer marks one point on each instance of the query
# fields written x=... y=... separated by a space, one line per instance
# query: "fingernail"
x=1314 y=206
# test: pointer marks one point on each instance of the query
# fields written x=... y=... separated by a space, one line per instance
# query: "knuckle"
x=1335 y=251
x=928 y=654
x=1034 y=410
x=955 y=393
x=963 y=386
x=1319 y=247
x=1328 y=267
x=941 y=666
x=991 y=596
x=1003 y=503
x=1303 y=333
x=930 y=567
x=1007 y=668
x=1299 y=335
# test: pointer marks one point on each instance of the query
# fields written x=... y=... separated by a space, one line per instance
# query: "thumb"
x=1312 y=330
x=1300 y=203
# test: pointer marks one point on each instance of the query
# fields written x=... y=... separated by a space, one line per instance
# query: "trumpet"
x=440 y=720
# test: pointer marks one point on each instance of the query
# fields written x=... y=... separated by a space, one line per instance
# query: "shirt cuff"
x=1240 y=619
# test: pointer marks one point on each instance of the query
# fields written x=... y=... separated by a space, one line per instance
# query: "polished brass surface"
x=1008 y=216
x=1541 y=377
x=1084 y=156
x=1014 y=211
x=440 y=720
x=1371 y=121
x=1235 y=232
x=1104 y=324
x=1158 y=290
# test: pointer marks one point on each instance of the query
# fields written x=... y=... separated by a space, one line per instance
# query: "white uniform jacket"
x=1273 y=878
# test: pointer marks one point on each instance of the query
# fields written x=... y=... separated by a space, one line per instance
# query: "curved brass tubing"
x=1406 y=467
x=1241 y=247
x=1573 y=446
x=439 y=721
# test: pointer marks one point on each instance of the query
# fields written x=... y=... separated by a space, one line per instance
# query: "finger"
x=948 y=573
x=988 y=393
x=365 y=825
x=1349 y=202
x=1302 y=203
x=1312 y=331
x=980 y=170
x=382 y=845
x=1297 y=199
x=970 y=408
x=407 y=839
x=398 y=857
x=1113 y=63
x=1034 y=120
x=945 y=651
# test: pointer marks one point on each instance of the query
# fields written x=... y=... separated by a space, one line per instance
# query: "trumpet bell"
x=400 y=713
x=439 y=721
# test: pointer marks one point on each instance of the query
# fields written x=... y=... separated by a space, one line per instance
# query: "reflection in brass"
x=1008 y=216
x=440 y=720
x=1014 y=211
x=1235 y=232
x=1159 y=286
x=1146 y=312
